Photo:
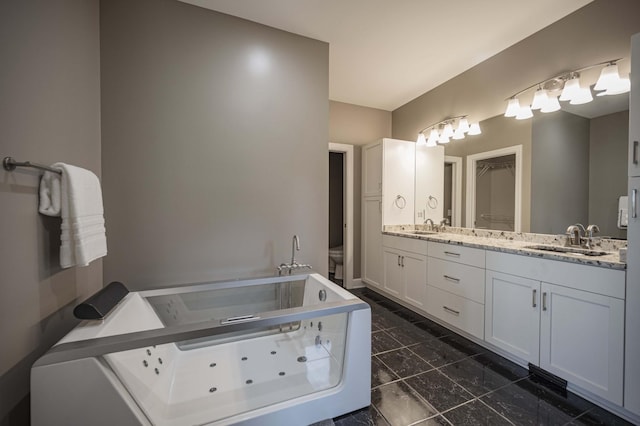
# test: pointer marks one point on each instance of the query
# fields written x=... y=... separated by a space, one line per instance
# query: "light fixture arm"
x=448 y=120
x=564 y=76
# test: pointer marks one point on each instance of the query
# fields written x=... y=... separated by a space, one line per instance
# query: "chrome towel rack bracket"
x=10 y=165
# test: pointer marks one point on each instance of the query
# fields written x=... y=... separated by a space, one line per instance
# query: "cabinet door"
x=372 y=170
x=429 y=183
x=414 y=267
x=634 y=108
x=632 y=312
x=392 y=272
x=512 y=314
x=372 y=272
x=398 y=180
x=582 y=339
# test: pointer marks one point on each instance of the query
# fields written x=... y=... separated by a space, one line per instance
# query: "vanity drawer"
x=463 y=280
x=413 y=245
x=461 y=313
x=456 y=253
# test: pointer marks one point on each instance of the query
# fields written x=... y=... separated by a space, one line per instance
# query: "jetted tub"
x=274 y=351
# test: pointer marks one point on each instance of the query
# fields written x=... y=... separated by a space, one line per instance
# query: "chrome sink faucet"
x=429 y=222
x=591 y=229
x=575 y=233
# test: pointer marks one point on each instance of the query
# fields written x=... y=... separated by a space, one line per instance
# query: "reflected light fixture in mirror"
x=567 y=85
x=443 y=131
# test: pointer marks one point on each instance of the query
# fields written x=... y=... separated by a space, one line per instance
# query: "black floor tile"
x=383 y=342
x=441 y=392
x=404 y=363
x=380 y=373
x=385 y=320
x=400 y=405
x=409 y=315
x=475 y=413
x=366 y=417
x=434 y=421
x=434 y=329
x=502 y=366
x=526 y=403
x=438 y=353
x=410 y=335
x=598 y=416
x=463 y=344
x=475 y=377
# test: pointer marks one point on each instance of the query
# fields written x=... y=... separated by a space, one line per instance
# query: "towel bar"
x=10 y=165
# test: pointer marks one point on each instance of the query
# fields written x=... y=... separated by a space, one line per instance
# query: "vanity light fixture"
x=443 y=131
x=567 y=86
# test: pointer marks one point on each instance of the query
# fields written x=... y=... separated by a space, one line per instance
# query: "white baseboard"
x=357 y=283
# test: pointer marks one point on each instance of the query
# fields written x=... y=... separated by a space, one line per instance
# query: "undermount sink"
x=571 y=250
x=423 y=232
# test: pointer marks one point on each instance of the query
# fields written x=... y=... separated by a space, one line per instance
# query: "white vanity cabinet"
x=582 y=339
x=456 y=286
x=372 y=270
x=512 y=315
x=632 y=321
x=372 y=170
x=405 y=269
x=387 y=199
x=565 y=317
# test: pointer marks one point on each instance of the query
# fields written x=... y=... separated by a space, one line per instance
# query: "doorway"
x=494 y=186
x=341 y=210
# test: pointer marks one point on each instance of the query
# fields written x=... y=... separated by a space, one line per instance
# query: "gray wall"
x=597 y=32
x=357 y=125
x=215 y=139
x=609 y=136
x=560 y=172
x=49 y=112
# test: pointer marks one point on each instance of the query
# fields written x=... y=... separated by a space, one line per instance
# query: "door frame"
x=348 y=152
x=471 y=183
x=456 y=189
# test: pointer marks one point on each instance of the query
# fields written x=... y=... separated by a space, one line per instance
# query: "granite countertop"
x=516 y=243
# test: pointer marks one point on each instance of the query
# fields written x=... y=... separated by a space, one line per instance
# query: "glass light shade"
x=422 y=141
x=524 y=113
x=433 y=137
x=623 y=85
x=582 y=97
x=448 y=130
x=551 y=105
x=609 y=77
x=443 y=138
x=458 y=134
x=512 y=108
x=571 y=89
x=463 y=125
x=474 y=129
x=540 y=98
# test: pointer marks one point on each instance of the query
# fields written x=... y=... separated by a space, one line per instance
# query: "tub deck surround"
x=516 y=243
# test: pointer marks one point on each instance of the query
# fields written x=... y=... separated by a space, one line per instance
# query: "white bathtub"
x=275 y=351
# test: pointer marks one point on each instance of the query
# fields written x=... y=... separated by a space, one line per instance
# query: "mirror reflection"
x=573 y=170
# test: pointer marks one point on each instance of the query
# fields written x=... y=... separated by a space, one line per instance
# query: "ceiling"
x=383 y=53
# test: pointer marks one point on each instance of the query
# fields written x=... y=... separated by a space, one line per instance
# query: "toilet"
x=336 y=256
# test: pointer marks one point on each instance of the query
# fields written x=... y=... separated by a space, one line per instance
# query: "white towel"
x=83 y=236
x=50 y=194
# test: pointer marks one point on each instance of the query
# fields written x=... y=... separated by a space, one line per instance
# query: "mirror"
x=574 y=165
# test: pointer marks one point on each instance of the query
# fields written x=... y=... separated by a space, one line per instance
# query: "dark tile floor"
x=424 y=374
